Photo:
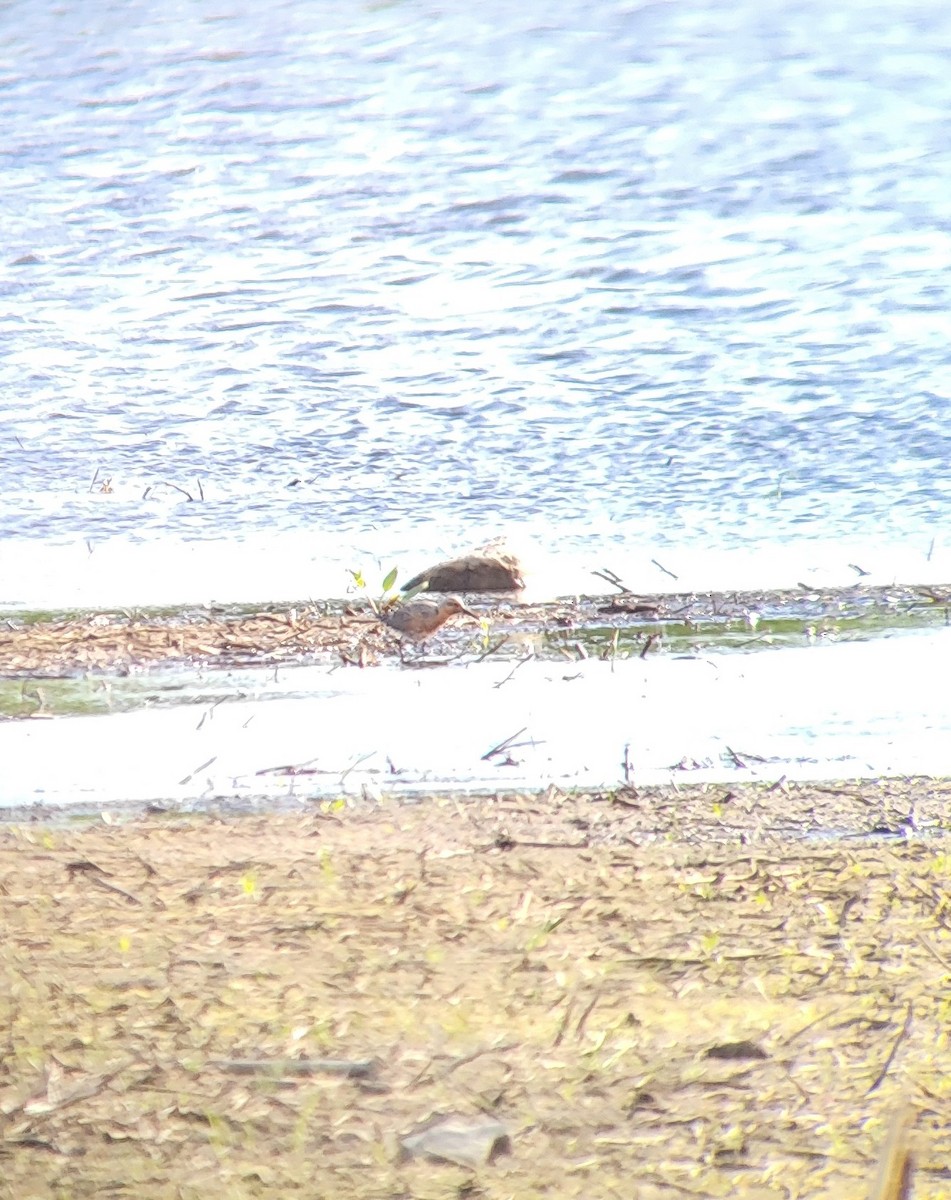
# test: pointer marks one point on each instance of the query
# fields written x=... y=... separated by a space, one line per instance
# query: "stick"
x=353 y=1068
x=503 y=745
x=902 y=1034
x=892 y=1180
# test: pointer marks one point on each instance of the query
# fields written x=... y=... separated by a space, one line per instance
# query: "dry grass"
x=117 y=641
x=659 y=1019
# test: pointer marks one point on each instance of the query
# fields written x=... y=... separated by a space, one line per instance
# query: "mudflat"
x=64 y=644
x=659 y=992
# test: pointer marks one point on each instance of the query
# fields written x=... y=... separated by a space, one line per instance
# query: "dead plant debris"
x=353 y=634
x=291 y=999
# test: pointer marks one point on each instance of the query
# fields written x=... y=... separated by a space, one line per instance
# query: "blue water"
x=330 y=282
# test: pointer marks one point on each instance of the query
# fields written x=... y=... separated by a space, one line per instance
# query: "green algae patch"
x=272 y=1005
x=70 y=696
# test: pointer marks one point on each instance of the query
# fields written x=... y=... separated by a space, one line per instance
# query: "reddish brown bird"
x=417 y=619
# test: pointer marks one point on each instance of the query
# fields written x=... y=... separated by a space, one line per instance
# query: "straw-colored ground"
x=648 y=1017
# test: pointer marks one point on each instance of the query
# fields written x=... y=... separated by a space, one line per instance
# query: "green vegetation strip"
x=181 y=998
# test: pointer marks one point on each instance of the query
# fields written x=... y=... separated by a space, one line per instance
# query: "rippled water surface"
x=380 y=277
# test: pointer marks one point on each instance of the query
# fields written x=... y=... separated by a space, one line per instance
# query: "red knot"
x=417 y=619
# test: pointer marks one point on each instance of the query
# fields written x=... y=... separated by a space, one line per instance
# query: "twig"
x=468 y=1058
x=934 y=953
x=353 y=766
x=504 y=842
x=664 y=569
x=569 y=1009
x=614 y=580
x=303 y=768
x=352 y=1068
x=892 y=1179
x=503 y=745
x=174 y=486
x=521 y=663
x=111 y=887
x=492 y=649
x=191 y=775
x=902 y=1034
x=583 y=1019
x=742 y=759
x=44 y=1102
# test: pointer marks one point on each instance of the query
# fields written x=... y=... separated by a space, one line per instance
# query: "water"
x=304 y=287
x=836 y=711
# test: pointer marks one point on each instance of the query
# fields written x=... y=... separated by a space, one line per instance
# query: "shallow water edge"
x=890 y=809
x=268 y=708
x=71 y=643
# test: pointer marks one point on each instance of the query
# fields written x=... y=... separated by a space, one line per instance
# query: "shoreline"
x=63 y=645
x=877 y=809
